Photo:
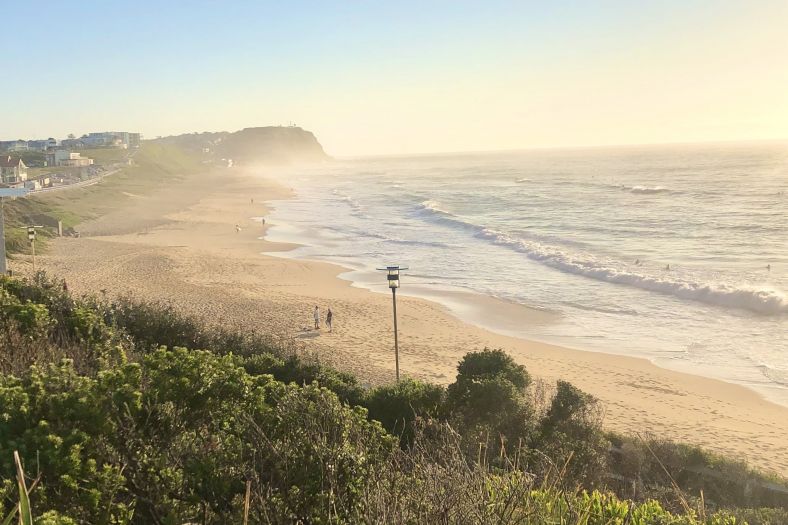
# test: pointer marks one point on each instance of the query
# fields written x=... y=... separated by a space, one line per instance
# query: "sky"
x=400 y=77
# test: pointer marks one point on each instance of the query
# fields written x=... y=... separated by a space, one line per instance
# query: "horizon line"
x=558 y=148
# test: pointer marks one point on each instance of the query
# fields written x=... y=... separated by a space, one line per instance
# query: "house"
x=65 y=158
x=12 y=170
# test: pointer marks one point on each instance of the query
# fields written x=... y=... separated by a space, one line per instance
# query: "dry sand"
x=180 y=244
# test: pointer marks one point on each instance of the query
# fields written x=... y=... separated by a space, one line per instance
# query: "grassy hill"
x=154 y=166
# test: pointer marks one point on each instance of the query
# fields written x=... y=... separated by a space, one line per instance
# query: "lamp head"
x=392 y=275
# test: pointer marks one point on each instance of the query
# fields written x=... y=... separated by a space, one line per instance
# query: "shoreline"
x=194 y=259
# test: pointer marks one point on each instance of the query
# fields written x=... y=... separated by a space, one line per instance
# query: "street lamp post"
x=31 y=236
x=392 y=275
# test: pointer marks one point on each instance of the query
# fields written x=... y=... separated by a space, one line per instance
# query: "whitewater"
x=675 y=254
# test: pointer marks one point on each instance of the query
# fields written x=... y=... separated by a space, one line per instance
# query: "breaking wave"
x=761 y=300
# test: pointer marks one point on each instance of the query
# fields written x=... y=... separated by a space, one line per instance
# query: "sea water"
x=678 y=254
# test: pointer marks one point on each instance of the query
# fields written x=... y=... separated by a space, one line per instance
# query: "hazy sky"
x=398 y=76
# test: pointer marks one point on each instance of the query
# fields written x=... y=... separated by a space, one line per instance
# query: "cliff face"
x=262 y=145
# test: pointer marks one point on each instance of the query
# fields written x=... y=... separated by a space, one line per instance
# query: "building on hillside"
x=116 y=139
x=14 y=145
x=100 y=139
x=12 y=170
x=73 y=143
x=27 y=145
x=42 y=144
x=63 y=158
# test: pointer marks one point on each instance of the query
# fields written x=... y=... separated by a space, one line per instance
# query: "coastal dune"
x=180 y=244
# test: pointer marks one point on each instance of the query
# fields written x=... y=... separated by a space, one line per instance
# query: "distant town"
x=47 y=164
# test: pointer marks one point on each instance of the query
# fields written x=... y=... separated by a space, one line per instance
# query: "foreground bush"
x=175 y=438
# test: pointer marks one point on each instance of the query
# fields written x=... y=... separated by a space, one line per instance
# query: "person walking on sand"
x=329 y=320
x=317 y=318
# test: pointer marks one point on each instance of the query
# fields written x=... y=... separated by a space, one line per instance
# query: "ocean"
x=678 y=254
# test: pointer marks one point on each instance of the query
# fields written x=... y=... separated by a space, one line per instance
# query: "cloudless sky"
x=401 y=76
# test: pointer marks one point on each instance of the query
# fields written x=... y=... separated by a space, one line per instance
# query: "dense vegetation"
x=127 y=412
x=260 y=145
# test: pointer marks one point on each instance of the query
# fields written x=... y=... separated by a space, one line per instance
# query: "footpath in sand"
x=180 y=244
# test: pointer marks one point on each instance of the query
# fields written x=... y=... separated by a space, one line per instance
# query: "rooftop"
x=7 y=161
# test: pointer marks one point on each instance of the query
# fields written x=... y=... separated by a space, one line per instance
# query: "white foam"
x=434 y=206
x=647 y=189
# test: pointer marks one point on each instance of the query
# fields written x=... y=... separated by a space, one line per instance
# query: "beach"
x=180 y=244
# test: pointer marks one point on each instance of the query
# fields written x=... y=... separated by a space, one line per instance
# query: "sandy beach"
x=180 y=244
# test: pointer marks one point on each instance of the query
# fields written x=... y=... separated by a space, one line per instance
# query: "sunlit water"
x=585 y=234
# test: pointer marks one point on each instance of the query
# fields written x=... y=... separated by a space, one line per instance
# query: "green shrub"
x=32 y=319
x=492 y=364
x=570 y=436
x=397 y=406
x=313 y=457
x=302 y=372
x=52 y=418
x=260 y=364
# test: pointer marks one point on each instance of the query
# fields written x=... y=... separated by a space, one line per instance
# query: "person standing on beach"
x=317 y=318
x=329 y=320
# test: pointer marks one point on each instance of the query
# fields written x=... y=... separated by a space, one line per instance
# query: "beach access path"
x=179 y=244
